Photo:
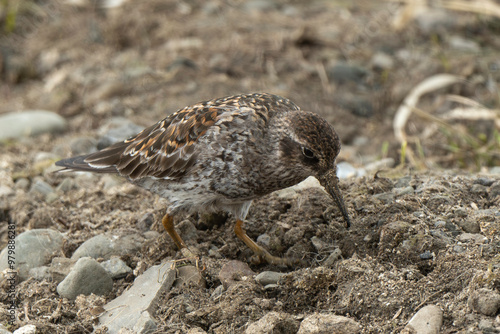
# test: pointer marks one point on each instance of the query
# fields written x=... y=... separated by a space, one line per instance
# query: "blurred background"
x=411 y=83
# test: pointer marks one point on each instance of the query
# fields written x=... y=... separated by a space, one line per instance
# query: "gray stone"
x=107 y=245
x=403 y=191
x=333 y=257
x=485 y=301
x=342 y=73
x=124 y=130
x=427 y=320
x=22 y=183
x=116 y=268
x=145 y=324
x=382 y=61
x=472 y=237
x=41 y=187
x=87 y=276
x=66 y=185
x=264 y=240
x=494 y=190
x=30 y=123
x=40 y=273
x=319 y=244
x=4 y=330
x=189 y=275
x=273 y=323
x=187 y=229
x=403 y=182
x=60 y=268
x=463 y=44
x=318 y=323
x=217 y=292
x=134 y=307
x=84 y=145
x=484 y=181
x=34 y=248
x=345 y=170
x=6 y=191
x=358 y=106
x=486 y=325
x=435 y=20
x=268 y=277
x=234 y=271
x=469 y=226
x=196 y=330
x=27 y=329
x=479 y=189
x=386 y=198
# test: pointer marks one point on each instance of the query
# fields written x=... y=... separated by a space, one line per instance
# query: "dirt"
x=142 y=61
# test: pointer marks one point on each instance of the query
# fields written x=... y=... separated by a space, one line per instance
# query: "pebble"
x=66 y=185
x=189 y=275
x=358 y=106
x=485 y=301
x=319 y=323
x=382 y=61
x=274 y=322
x=426 y=255
x=34 y=248
x=125 y=130
x=4 y=330
x=40 y=273
x=458 y=249
x=6 y=191
x=60 y=268
x=28 y=329
x=342 y=73
x=268 y=277
x=435 y=20
x=22 y=183
x=107 y=245
x=494 y=191
x=196 y=330
x=234 y=271
x=403 y=182
x=264 y=240
x=319 y=244
x=475 y=237
x=333 y=257
x=345 y=170
x=41 y=187
x=403 y=191
x=479 y=189
x=87 y=276
x=375 y=166
x=387 y=197
x=145 y=222
x=116 y=268
x=495 y=170
x=187 y=229
x=427 y=320
x=484 y=181
x=218 y=291
x=469 y=226
x=83 y=145
x=30 y=123
x=135 y=305
x=486 y=325
x=463 y=44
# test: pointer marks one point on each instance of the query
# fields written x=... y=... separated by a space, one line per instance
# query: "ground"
x=415 y=224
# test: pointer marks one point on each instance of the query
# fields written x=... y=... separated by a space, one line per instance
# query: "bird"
x=220 y=155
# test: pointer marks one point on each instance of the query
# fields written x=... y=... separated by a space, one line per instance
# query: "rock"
x=382 y=61
x=403 y=182
x=274 y=323
x=435 y=20
x=387 y=197
x=484 y=181
x=187 y=229
x=403 y=191
x=41 y=187
x=318 y=323
x=479 y=189
x=107 y=245
x=333 y=257
x=116 y=268
x=194 y=330
x=319 y=244
x=34 y=248
x=234 y=271
x=427 y=320
x=87 y=276
x=474 y=237
x=145 y=222
x=124 y=131
x=60 y=268
x=345 y=170
x=264 y=240
x=486 y=325
x=189 y=275
x=218 y=291
x=30 y=123
x=84 y=145
x=377 y=165
x=145 y=324
x=40 y=273
x=463 y=44
x=358 y=106
x=4 y=330
x=392 y=234
x=66 y=185
x=485 y=301
x=268 y=277
x=469 y=226
x=28 y=329
x=259 y=5
x=426 y=255
x=342 y=73
x=22 y=183
x=494 y=191
x=6 y=191
x=134 y=307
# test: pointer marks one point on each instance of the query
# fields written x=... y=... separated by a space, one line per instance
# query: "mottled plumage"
x=222 y=154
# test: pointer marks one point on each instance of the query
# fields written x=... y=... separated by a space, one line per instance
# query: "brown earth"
x=142 y=61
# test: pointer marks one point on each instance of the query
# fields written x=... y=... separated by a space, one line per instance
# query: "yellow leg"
x=261 y=253
x=168 y=224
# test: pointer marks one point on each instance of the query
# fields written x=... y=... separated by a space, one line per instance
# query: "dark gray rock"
x=87 y=276
x=342 y=73
x=116 y=268
x=268 y=277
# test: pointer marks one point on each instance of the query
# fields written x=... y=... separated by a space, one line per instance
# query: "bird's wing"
x=165 y=150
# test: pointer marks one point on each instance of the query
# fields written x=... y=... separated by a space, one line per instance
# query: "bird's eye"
x=308 y=153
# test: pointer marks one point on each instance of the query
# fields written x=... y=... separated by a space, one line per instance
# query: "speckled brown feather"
x=167 y=149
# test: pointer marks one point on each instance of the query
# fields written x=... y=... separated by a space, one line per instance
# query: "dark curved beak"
x=331 y=183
